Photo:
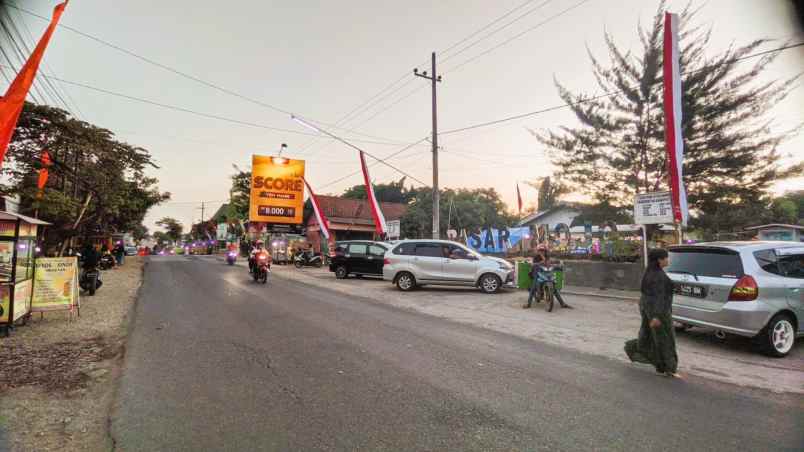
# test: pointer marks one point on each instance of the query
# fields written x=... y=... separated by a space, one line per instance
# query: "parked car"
x=752 y=289
x=362 y=258
x=413 y=263
x=131 y=251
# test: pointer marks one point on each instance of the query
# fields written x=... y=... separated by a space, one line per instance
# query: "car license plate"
x=690 y=290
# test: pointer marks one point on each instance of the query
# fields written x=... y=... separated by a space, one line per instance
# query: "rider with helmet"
x=259 y=247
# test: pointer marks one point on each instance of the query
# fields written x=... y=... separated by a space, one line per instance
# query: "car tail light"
x=386 y=261
x=745 y=289
x=262 y=257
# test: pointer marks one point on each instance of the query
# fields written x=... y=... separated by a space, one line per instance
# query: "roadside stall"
x=17 y=256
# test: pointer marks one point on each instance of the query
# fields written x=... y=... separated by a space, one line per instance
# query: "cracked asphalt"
x=217 y=362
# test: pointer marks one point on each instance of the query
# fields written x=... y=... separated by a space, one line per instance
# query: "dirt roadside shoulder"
x=58 y=378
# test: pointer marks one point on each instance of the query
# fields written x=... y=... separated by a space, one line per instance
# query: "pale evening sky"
x=322 y=59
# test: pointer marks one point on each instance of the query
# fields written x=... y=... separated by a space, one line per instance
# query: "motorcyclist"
x=538 y=274
x=89 y=256
x=259 y=247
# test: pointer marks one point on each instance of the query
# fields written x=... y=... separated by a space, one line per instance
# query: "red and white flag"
x=12 y=102
x=519 y=198
x=323 y=222
x=376 y=212
x=674 y=142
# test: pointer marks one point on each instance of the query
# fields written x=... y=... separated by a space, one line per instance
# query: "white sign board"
x=394 y=229
x=653 y=208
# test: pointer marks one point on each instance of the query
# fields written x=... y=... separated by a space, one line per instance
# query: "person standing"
x=119 y=253
x=656 y=343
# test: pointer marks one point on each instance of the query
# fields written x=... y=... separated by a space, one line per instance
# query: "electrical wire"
x=607 y=94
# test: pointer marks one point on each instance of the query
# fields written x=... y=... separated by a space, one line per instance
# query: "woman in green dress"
x=656 y=344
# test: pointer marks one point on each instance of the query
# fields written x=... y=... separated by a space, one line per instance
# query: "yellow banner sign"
x=277 y=190
x=55 y=284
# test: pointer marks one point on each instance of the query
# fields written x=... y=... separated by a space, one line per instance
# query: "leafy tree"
x=731 y=157
x=240 y=194
x=140 y=232
x=97 y=184
x=173 y=228
x=161 y=238
x=601 y=213
x=391 y=192
x=549 y=192
x=471 y=210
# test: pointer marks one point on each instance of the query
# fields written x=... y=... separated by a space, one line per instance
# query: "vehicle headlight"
x=504 y=266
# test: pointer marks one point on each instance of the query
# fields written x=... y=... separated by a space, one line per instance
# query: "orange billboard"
x=277 y=190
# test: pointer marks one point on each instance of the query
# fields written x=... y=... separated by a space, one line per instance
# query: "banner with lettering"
x=490 y=240
x=55 y=284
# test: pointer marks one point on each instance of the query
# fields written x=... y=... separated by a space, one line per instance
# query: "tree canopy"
x=731 y=157
x=173 y=228
x=97 y=183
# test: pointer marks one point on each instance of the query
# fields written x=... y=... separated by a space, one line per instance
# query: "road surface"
x=217 y=362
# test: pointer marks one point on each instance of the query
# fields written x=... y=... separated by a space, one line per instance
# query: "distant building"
x=783 y=232
x=349 y=219
x=560 y=214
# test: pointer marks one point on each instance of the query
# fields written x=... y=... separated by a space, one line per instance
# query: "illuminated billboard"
x=277 y=190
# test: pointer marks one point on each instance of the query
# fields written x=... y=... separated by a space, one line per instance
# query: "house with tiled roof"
x=350 y=219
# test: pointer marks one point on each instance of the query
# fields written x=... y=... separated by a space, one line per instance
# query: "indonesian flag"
x=43 y=173
x=323 y=222
x=519 y=198
x=376 y=212
x=11 y=104
x=674 y=142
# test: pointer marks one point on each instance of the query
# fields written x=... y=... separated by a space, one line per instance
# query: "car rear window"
x=376 y=250
x=405 y=249
x=429 y=250
x=713 y=262
x=358 y=248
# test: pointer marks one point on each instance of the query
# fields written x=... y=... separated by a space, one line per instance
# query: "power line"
x=202 y=114
x=518 y=35
x=387 y=157
x=607 y=94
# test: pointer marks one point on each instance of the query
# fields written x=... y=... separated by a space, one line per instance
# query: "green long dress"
x=656 y=346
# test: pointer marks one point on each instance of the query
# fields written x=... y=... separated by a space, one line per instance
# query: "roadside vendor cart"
x=17 y=255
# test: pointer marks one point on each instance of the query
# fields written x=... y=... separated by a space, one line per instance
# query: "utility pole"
x=202 y=211
x=434 y=79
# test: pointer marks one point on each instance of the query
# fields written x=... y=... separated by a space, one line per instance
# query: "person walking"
x=656 y=343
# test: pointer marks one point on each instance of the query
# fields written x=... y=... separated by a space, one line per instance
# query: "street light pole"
x=434 y=79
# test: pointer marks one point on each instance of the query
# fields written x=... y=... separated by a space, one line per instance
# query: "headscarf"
x=654 y=275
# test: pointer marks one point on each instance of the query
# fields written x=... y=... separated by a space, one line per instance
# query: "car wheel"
x=341 y=272
x=779 y=336
x=405 y=282
x=490 y=283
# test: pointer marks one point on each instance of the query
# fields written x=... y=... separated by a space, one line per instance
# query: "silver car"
x=412 y=263
x=753 y=289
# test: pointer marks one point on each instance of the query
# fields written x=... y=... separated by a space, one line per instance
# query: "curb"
x=600 y=295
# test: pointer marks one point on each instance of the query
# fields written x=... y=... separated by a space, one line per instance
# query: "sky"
x=323 y=59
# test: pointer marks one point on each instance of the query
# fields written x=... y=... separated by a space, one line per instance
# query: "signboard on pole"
x=394 y=229
x=277 y=190
x=221 y=232
x=55 y=284
x=653 y=208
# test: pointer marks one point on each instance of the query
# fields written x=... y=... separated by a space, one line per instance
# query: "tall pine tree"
x=731 y=156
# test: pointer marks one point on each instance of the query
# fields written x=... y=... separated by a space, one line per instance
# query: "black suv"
x=358 y=258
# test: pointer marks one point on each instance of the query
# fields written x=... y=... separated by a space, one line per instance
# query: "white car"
x=413 y=263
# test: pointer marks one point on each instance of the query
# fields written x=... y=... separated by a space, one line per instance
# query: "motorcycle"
x=90 y=280
x=231 y=257
x=308 y=260
x=107 y=262
x=262 y=267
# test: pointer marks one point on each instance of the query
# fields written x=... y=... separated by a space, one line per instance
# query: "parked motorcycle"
x=107 y=262
x=262 y=267
x=308 y=259
x=90 y=280
x=231 y=257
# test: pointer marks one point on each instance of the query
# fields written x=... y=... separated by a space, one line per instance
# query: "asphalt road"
x=217 y=362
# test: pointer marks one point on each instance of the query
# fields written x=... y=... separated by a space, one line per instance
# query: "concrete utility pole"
x=434 y=79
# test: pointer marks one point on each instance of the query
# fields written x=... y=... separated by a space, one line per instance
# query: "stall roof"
x=15 y=216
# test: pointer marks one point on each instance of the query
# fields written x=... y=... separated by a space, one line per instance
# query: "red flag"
x=43 y=172
x=376 y=212
x=323 y=222
x=519 y=198
x=11 y=104
x=674 y=142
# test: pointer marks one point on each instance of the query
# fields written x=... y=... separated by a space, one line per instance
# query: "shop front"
x=18 y=235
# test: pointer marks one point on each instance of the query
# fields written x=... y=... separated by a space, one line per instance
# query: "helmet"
x=260 y=243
